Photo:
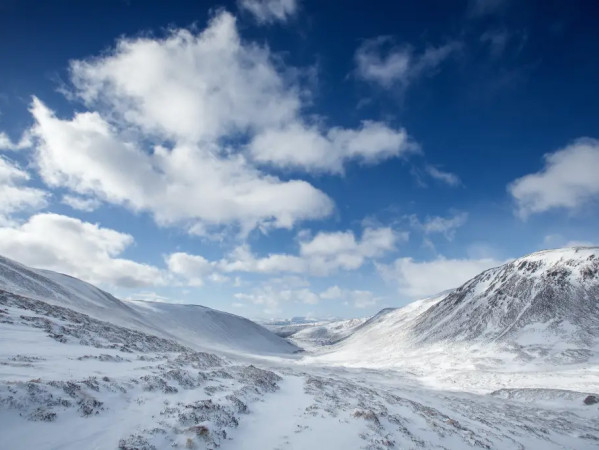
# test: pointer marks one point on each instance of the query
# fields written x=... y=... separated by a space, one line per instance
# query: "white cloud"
x=193 y=268
x=448 y=178
x=362 y=299
x=359 y=298
x=243 y=260
x=14 y=197
x=322 y=255
x=173 y=125
x=221 y=90
x=379 y=61
x=332 y=293
x=557 y=241
x=81 y=203
x=80 y=249
x=272 y=296
x=7 y=144
x=298 y=146
x=190 y=87
x=327 y=252
x=188 y=184
x=569 y=180
x=269 y=11
x=444 y=225
x=420 y=279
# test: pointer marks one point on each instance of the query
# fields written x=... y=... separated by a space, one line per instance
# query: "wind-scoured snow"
x=195 y=326
x=553 y=294
x=82 y=369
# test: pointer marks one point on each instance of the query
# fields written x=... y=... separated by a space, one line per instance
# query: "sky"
x=280 y=158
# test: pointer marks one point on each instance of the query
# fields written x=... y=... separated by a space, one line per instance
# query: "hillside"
x=549 y=295
x=544 y=306
x=195 y=326
x=82 y=369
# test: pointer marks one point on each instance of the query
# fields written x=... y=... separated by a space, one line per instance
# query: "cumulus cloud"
x=321 y=255
x=332 y=293
x=189 y=87
x=81 y=249
x=81 y=203
x=298 y=146
x=379 y=61
x=421 y=279
x=243 y=260
x=177 y=125
x=443 y=225
x=14 y=195
x=358 y=298
x=269 y=11
x=567 y=181
x=188 y=184
x=193 y=268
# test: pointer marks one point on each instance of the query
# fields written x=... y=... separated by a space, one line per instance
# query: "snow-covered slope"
x=77 y=370
x=325 y=333
x=543 y=306
x=199 y=326
x=194 y=326
x=553 y=294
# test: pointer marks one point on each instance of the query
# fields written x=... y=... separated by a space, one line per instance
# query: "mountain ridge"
x=541 y=307
x=195 y=326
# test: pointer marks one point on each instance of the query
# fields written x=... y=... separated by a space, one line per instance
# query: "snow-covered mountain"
x=325 y=333
x=552 y=294
x=82 y=369
x=194 y=326
x=311 y=334
x=544 y=305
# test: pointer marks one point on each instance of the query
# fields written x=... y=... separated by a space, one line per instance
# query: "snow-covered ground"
x=81 y=369
x=314 y=335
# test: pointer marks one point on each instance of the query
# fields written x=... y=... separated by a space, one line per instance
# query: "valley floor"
x=71 y=382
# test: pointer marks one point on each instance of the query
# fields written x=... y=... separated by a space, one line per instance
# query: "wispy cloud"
x=446 y=226
x=445 y=177
x=15 y=195
x=381 y=62
x=270 y=11
x=482 y=8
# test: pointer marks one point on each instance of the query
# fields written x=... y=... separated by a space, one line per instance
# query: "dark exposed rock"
x=591 y=400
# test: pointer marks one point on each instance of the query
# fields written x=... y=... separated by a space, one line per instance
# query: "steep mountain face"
x=549 y=295
x=191 y=325
x=542 y=307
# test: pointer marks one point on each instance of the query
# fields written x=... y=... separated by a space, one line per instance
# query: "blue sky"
x=277 y=158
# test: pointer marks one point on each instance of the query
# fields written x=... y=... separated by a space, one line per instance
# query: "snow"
x=82 y=369
x=314 y=335
x=196 y=326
